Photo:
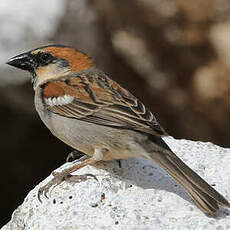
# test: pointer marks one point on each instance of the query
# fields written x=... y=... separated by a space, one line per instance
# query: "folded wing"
x=97 y=99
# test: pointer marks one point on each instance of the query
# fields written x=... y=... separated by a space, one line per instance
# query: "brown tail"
x=206 y=197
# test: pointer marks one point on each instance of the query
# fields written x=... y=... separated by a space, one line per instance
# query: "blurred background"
x=174 y=55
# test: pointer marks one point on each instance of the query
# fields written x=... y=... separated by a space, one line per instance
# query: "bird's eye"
x=45 y=58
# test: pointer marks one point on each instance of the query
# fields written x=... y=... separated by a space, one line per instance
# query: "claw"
x=73 y=156
x=59 y=177
x=91 y=175
x=42 y=191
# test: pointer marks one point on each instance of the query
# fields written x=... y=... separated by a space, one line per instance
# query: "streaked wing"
x=97 y=99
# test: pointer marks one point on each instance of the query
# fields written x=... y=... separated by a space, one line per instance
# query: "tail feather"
x=205 y=196
x=204 y=201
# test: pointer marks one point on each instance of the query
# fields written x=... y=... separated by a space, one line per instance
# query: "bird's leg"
x=65 y=175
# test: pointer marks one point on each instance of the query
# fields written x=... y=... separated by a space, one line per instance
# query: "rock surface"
x=139 y=195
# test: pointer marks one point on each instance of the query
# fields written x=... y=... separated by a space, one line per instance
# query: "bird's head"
x=51 y=62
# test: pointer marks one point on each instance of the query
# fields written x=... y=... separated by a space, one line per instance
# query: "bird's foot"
x=58 y=178
x=74 y=155
x=65 y=175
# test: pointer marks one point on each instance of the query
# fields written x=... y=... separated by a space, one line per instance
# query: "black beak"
x=23 y=61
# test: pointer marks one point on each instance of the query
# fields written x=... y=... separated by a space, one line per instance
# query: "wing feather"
x=102 y=101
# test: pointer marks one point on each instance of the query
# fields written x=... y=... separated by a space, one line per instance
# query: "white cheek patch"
x=55 y=101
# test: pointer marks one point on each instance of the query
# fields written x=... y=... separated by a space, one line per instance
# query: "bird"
x=87 y=110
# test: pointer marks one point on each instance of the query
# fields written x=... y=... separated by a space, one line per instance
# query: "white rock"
x=139 y=196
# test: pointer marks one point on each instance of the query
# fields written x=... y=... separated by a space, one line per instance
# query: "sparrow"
x=93 y=114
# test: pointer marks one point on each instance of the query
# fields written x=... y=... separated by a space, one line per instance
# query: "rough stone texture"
x=137 y=196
